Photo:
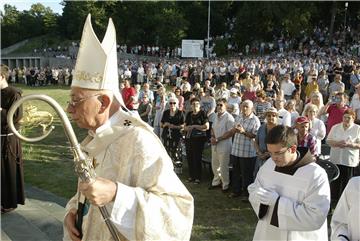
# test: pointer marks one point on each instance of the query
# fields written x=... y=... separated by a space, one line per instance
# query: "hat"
x=302 y=120
x=96 y=64
x=234 y=90
x=271 y=110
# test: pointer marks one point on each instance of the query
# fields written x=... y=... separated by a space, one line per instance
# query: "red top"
x=127 y=93
x=249 y=95
x=335 y=116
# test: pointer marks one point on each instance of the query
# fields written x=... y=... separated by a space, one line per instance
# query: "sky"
x=26 y=4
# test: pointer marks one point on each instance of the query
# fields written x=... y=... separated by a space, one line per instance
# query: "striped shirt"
x=309 y=141
x=243 y=146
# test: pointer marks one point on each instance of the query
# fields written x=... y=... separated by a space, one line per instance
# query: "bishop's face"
x=84 y=107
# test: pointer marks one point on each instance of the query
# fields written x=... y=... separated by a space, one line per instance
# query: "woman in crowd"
x=335 y=110
x=160 y=104
x=318 y=129
x=323 y=82
x=172 y=122
x=180 y=98
x=270 y=91
x=261 y=105
x=344 y=140
x=196 y=125
x=315 y=99
x=271 y=116
x=235 y=100
x=298 y=80
x=208 y=105
x=311 y=88
x=299 y=103
x=249 y=93
x=145 y=108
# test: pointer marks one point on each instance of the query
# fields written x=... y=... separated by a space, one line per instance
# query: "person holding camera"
x=335 y=108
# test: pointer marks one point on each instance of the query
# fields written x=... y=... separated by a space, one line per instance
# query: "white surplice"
x=346 y=217
x=302 y=207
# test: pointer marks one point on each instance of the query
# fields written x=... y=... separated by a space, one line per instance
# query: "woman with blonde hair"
x=316 y=98
x=317 y=126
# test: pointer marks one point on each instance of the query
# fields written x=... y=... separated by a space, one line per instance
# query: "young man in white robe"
x=291 y=193
x=135 y=180
x=345 y=221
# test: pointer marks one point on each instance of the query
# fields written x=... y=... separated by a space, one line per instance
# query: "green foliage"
x=166 y=23
x=221 y=47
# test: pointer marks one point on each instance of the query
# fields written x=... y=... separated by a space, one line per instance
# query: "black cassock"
x=12 y=176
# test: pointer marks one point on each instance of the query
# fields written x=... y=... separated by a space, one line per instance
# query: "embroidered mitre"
x=96 y=63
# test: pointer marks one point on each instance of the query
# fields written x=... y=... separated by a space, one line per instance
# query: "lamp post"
x=208 y=33
x=346 y=6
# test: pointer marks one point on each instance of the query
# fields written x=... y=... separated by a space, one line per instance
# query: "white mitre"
x=96 y=64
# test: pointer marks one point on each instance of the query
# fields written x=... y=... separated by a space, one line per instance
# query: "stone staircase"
x=40 y=219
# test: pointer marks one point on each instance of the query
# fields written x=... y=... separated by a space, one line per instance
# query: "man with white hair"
x=135 y=181
x=243 y=150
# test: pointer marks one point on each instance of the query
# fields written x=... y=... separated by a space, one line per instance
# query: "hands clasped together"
x=264 y=196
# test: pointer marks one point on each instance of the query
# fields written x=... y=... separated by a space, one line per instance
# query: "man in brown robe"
x=12 y=177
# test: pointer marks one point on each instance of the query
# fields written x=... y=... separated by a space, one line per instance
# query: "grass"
x=41 y=42
x=48 y=165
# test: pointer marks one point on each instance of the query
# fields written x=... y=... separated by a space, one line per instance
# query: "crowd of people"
x=311 y=94
x=34 y=76
x=235 y=105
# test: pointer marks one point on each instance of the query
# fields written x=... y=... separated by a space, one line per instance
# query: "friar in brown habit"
x=12 y=177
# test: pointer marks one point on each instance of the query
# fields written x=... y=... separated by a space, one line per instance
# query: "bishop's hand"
x=100 y=192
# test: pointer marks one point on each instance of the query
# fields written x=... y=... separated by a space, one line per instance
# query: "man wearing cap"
x=135 y=181
x=291 y=193
x=305 y=139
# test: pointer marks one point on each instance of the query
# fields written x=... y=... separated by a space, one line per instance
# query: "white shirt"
x=344 y=156
x=355 y=105
x=284 y=117
x=222 y=124
x=318 y=130
x=288 y=87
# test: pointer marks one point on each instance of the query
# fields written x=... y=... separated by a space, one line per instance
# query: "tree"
x=9 y=25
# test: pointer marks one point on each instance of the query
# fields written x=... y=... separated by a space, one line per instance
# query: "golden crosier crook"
x=83 y=164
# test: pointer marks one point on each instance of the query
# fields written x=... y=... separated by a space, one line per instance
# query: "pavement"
x=40 y=219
